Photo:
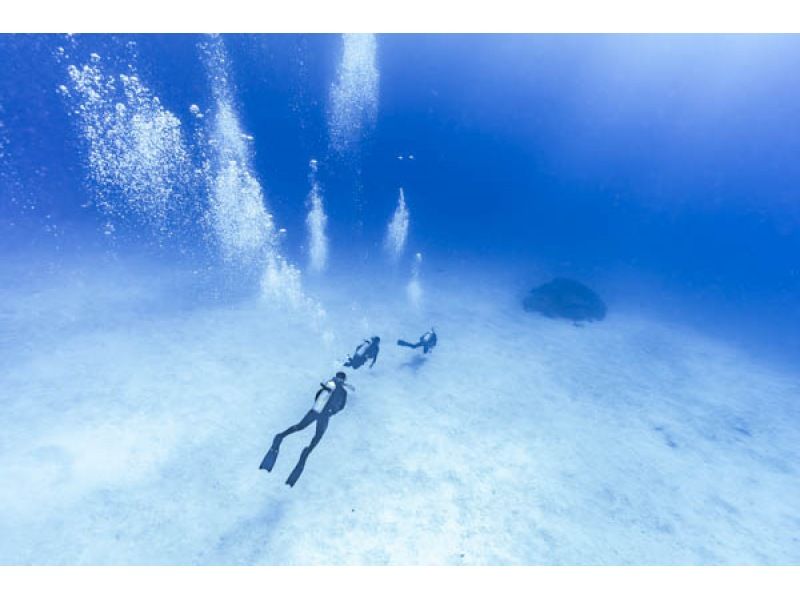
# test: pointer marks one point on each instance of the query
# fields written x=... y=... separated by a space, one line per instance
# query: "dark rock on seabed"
x=565 y=298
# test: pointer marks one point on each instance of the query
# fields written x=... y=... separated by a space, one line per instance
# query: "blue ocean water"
x=196 y=230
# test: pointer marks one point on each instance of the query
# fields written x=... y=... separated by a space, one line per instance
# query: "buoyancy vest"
x=330 y=399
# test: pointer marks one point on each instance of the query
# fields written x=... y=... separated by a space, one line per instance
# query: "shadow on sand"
x=415 y=363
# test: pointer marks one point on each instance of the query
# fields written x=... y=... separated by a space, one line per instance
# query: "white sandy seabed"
x=132 y=433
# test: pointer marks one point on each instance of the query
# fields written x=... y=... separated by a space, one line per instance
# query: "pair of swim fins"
x=268 y=462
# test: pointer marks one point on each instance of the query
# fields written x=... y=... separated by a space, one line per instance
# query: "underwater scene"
x=399 y=299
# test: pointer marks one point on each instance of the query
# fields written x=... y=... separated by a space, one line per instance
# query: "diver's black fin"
x=268 y=462
x=298 y=469
x=292 y=479
x=406 y=344
x=295 y=475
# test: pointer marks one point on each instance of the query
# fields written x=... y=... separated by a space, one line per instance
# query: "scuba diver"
x=366 y=350
x=427 y=341
x=329 y=400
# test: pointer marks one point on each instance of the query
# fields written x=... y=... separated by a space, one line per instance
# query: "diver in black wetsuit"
x=329 y=400
x=427 y=341
x=366 y=350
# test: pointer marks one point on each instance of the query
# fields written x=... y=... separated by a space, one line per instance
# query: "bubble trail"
x=3 y=137
x=414 y=287
x=136 y=151
x=353 y=101
x=397 y=231
x=316 y=221
x=243 y=228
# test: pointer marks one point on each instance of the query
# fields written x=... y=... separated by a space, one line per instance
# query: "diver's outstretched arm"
x=374 y=359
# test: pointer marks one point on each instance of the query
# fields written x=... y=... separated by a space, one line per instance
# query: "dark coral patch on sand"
x=565 y=298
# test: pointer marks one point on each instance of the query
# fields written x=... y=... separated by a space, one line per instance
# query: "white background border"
x=396 y=16
x=28 y=16
x=400 y=582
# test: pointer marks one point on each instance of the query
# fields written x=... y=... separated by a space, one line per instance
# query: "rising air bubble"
x=353 y=103
x=281 y=285
x=316 y=222
x=3 y=137
x=241 y=225
x=5 y=162
x=414 y=287
x=244 y=229
x=136 y=152
x=397 y=231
